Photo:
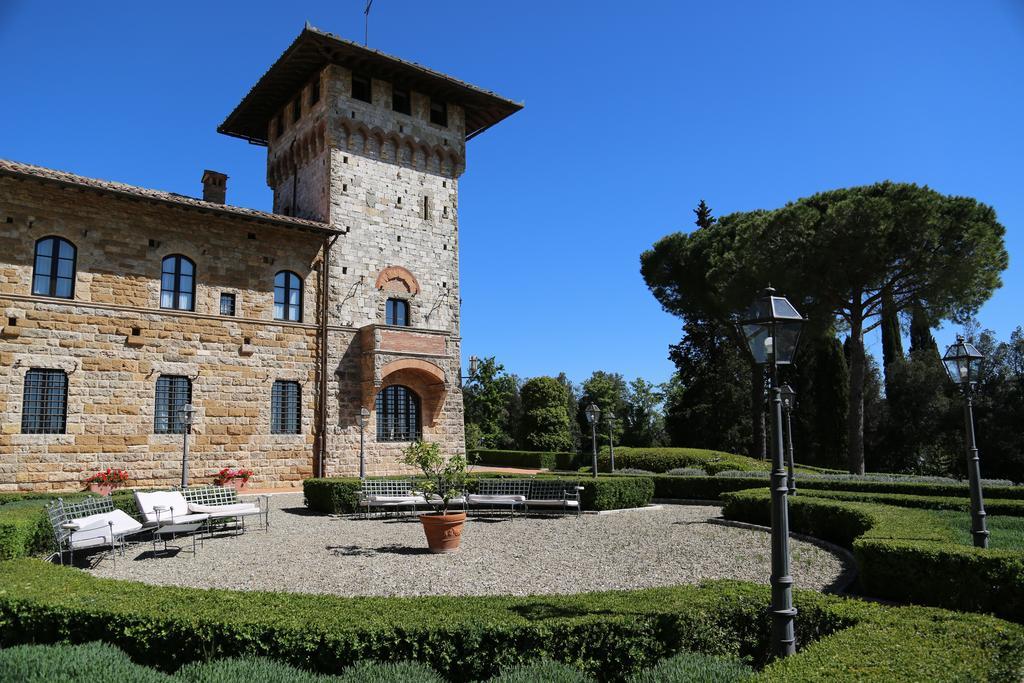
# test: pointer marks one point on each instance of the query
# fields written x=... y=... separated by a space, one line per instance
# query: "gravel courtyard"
x=313 y=553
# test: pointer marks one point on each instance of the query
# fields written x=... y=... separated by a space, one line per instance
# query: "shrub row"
x=994 y=506
x=99 y=661
x=665 y=459
x=524 y=459
x=339 y=495
x=903 y=554
x=610 y=635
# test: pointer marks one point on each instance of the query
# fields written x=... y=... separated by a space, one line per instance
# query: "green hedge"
x=524 y=459
x=903 y=554
x=610 y=635
x=994 y=506
x=665 y=459
x=339 y=495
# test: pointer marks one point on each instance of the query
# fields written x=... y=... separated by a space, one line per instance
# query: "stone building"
x=123 y=304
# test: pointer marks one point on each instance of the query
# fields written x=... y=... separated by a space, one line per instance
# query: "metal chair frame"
x=60 y=514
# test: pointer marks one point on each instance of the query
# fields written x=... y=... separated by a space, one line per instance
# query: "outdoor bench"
x=526 y=493
x=389 y=494
x=222 y=503
x=93 y=523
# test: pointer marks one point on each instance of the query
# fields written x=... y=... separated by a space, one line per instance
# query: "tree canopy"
x=838 y=255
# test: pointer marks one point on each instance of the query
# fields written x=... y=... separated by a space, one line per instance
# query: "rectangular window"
x=296 y=109
x=285 y=408
x=280 y=124
x=227 y=304
x=45 y=402
x=361 y=89
x=314 y=91
x=439 y=113
x=396 y=312
x=172 y=394
x=400 y=100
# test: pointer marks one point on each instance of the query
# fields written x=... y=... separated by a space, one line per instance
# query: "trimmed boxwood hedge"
x=903 y=554
x=338 y=495
x=524 y=459
x=609 y=635
x=665 y=459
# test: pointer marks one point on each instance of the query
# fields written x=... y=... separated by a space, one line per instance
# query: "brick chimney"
x=215 y=187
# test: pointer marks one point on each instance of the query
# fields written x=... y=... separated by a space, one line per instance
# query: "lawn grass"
x=1005 y=533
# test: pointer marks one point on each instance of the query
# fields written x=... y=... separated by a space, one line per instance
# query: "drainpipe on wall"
x=321 y=427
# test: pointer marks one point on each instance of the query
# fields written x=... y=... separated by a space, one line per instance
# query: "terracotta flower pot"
x=444 y=532
x=102 y=489
x=240 y=484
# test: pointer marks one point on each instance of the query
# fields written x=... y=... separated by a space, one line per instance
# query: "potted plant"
x=444 y=479
x=238 y=478
x=105 y=481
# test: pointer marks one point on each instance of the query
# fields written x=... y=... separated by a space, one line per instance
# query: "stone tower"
x=374 y=146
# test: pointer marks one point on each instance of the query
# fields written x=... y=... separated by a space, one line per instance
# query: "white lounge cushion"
x=554 y=503
x=96 y=529
x=173 y=503
x=396 y=500
x=495 y=500
x=231 y=510
x=434 y=498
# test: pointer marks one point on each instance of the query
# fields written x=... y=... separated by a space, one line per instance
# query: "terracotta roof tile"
x=18 y=169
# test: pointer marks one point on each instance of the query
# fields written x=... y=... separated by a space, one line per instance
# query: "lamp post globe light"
x=963 y=365
x=364 y=416
x=610 y=416
x=593 y=414
x=188 y=412
x=771 y=329
x=788 y=405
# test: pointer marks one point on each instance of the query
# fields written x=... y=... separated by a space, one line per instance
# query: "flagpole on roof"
x=366 y=23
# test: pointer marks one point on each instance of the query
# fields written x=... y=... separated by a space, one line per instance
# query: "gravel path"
x=312 y=553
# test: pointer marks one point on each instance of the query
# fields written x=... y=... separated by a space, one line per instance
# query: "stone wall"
x=232 y=361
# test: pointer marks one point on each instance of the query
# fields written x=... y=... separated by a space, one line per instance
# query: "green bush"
x=86 y=663
x=616 y=493
x=389 y=672
x=695 y=667
x=673 y=487
x=248 y=669
x=904 y=554
x=544 y=670
x=1013 y=508
x=24 y=529
x=331 y=496
x=524 y=459
x=609 y=635
x=665 y=459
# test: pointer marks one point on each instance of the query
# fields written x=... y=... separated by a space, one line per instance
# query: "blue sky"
x=634 y=112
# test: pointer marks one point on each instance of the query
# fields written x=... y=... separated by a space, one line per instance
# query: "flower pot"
x=101 y=489
x=239 y=484
x=443 y=531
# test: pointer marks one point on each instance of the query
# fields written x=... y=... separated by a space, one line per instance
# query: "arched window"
x=54 y=273
x=178 y=283
x=287 y=296
x=397 y=312
x=398 y=414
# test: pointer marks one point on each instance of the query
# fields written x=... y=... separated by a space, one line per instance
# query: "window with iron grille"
x=398 y=414
x=172 y=394
x=227 y=304
x=287 y=296
x=177 y=283
x=286 y=408
x=54 y=273
x=396 y=312
x=45 y=402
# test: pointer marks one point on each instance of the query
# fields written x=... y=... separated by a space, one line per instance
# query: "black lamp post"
x=188 y=412
x=593 y=414
x=771 y=328
x=788 y=404
x=963 y=364
x=610 y=416
x=364 y=416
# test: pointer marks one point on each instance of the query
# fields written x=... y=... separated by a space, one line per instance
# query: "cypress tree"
x=892 y=340
x=831 y=394
x=704 y=217
x=921 y=338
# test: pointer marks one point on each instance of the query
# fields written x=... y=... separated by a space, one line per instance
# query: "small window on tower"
x=314 y=91
x=280 y=124
x=400 y=100
x=361 y=88
x=296 y=109
x=439 y=113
